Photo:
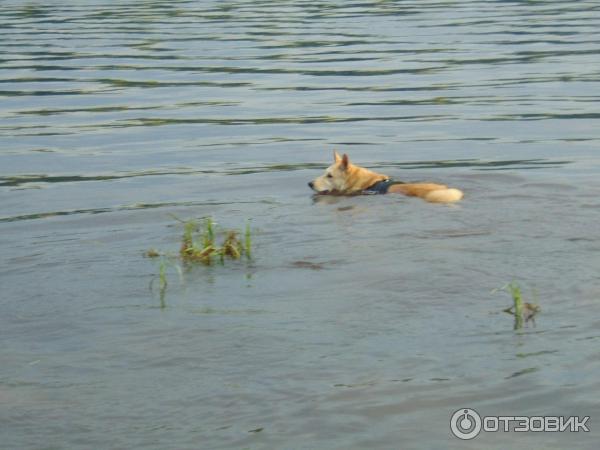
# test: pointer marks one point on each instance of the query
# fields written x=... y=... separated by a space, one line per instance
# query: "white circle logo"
x=465 y=423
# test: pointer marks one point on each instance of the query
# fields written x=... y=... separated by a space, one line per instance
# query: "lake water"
x=360 y=323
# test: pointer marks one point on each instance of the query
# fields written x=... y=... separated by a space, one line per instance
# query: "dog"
x=345 y=178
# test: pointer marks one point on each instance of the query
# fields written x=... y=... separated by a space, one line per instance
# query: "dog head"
x=334 y=180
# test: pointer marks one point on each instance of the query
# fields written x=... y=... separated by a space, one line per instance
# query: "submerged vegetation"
x=162 y=282
x=203 y=249
x=199 y=246
x=523 y=311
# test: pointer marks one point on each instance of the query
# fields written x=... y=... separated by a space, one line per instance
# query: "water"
x=362 y=322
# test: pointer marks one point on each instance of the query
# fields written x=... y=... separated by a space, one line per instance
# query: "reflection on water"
x=363 y=322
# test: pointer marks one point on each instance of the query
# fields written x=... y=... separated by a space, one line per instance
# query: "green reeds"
x=523 y=311
x=199 y=246
x=515 y=291
x=208 y=237
x=205 y=249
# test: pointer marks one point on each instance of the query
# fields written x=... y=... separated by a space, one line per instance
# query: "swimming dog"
x=345 y=178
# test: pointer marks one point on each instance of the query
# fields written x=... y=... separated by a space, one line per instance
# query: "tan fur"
x=345 y=178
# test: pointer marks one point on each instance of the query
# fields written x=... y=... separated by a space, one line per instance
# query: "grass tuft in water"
x=199 y=246
x=232 y=247
x=523 y=311
x=204 y=250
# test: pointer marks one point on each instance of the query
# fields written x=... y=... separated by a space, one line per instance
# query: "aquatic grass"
x=199 y=247
x=209 y=233
x=188 y=231
x=522 y=311
x=515 y=292
x=162 y=282
x=191 y=251
x=165 y=261
x=232 y=247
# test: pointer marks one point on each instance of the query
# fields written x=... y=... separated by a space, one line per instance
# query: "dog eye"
x=329 y=175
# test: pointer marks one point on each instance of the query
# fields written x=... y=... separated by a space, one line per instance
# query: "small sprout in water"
x=209 y=233
x=162 y=275
x=187 y=242
x=523 y=311
x=162 y=282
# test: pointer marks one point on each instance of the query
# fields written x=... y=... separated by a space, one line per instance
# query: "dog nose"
x=310 y=184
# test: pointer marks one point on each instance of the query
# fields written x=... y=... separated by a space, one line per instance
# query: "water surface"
x=362 y=322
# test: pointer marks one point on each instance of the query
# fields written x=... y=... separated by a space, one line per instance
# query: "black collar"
x=381 y=187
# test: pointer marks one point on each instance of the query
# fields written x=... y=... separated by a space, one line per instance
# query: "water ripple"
x=114 y=113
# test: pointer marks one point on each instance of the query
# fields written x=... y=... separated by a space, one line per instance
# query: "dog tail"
x=449 y=195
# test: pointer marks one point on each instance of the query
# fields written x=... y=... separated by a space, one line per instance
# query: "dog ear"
x=336 y=157
x=345 y=161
